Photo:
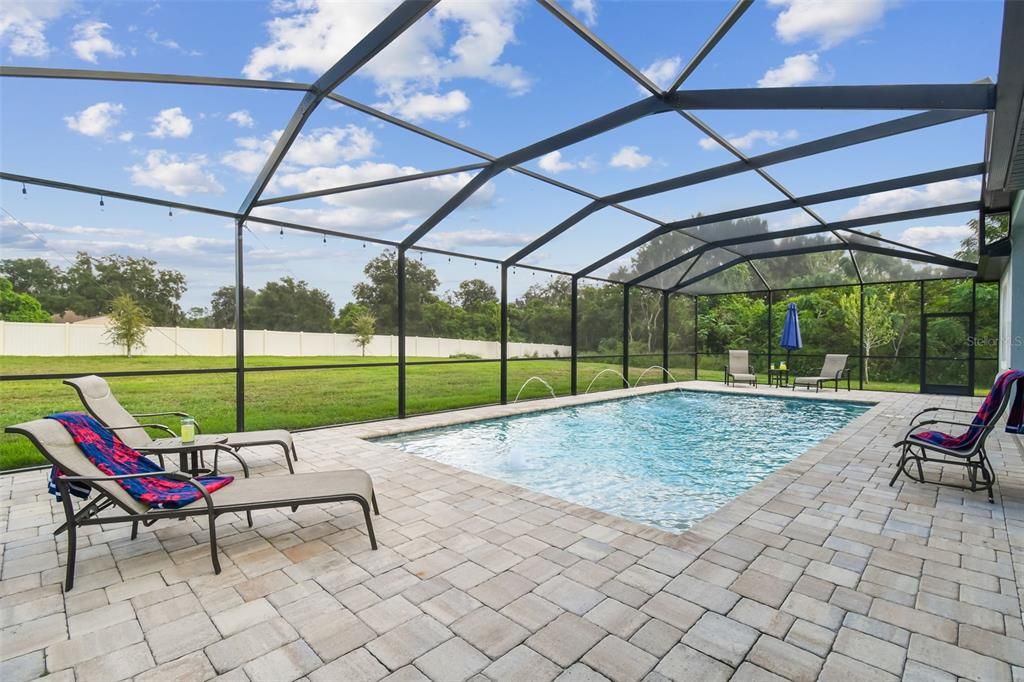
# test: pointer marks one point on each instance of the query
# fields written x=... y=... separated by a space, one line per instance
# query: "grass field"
x=304 y=398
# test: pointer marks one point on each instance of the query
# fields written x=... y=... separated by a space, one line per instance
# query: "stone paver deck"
x=819 y=572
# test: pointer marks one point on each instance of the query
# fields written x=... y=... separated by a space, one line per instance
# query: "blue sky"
x=494 y=75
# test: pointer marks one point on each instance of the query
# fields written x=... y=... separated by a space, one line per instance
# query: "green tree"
x=128 y=324
x=347 y=315
x=15 y=307
x=879 y=328
x=292 y=306
x=37 y=278
x=379 y=293
x=364 y=325
x=475 y=295
x=222 y=307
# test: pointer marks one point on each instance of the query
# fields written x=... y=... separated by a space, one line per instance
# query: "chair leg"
x=287 y=457
x=295 y=453
x=213 y=544
x=373 y=501
x=69 y=513
x=899 y=467
x=135 y=529
x=248 y=517
x=369 y=524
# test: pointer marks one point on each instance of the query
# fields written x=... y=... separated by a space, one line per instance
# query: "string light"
x=170 y=213
x=325 y=237
x=364 y=245
x=24 y=190
x=281 y=233
x=101 y=202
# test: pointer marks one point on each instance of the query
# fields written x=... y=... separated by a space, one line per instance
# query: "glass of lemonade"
x=188 y=430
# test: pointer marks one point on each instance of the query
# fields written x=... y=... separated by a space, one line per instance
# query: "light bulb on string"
x=101 y=202
x=281 y=233
x=325 y=237
x=170 y=213
x=24 y=190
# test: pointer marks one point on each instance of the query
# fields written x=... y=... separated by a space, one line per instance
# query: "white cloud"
x=383 y=208
x=23 y=25
x=630 y=158
x=663 y=71
x=587 y=9
x=126 y=136
x=242 y=117
x=96 y=120
x=553 y=162
x=319 y=147
x=750 y=139
x=170 y=44
x=425 y=106
x=930 y=236
x=909 y=198
x=830 y=22
x=89 y=41
x=171 y=123
x=478 y=238
x=169 y=172
x=796 y=70
x=454 y=40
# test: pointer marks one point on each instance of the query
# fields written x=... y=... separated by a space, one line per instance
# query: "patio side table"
x=778 y=378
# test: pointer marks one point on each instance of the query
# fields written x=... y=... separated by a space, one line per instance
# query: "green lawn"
x=300 y=398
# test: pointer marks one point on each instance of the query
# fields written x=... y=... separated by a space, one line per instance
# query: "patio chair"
x=834 y=369
x=216 y=496
x=739 y=369
x=98 y=399
x=967 y=449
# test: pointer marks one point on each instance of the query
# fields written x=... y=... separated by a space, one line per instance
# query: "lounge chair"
x=967 y=449
x=98 y=399
x=73 y=468
x=739 y=369
x=833 y=370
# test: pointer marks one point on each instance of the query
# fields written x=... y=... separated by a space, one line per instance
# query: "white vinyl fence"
x=62 y=339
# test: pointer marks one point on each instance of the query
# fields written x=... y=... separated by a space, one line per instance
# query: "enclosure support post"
x=625 y=335
x=401 y=332
x=770 y=302
x=664 y=336
x=574 y=334
x=504 y=334
x=696 y=350
x=863 y=358
x=239 y=330
x=973 y=331
x=923 y=341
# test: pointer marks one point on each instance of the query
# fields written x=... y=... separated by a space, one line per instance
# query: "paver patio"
x=819 y=572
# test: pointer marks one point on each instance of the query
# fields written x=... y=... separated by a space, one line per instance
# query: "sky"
x=494 y=75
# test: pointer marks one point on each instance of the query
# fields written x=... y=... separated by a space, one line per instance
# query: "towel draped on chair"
x=111 y=456
x=1014 y=423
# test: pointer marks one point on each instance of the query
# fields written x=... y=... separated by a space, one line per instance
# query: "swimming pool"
x=664 y=459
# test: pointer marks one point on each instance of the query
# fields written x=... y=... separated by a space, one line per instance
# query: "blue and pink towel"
x=1014 y=423
x=111 y=456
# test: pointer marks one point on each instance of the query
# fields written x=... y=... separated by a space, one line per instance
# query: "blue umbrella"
x=791 y=340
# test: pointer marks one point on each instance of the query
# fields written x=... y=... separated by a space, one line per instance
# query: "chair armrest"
x=183 y=415
x=159 y=427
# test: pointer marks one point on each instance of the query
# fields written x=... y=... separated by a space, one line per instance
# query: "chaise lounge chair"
x=967 y=449
x=739 y=369
x=98 y=399
x=833 y=370
x=216 y=496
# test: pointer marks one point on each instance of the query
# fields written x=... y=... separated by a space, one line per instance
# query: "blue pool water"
x=666 y=459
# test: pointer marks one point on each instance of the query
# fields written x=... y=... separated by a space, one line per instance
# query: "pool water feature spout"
x=527 y=382
x=603 y=371
x=663 y=369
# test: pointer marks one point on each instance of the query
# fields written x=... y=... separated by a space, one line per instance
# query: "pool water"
x=665 y=459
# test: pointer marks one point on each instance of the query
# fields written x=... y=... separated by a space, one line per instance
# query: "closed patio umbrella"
x=791 y=340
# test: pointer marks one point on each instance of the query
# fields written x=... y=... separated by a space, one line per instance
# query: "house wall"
x=1011 y=293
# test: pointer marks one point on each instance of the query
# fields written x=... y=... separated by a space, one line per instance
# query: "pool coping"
x=704 y=532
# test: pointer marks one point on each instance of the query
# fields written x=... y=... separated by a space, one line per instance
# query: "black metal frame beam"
x=382 y=35
x=799 y=151
x=821 y=248
x=851 y=225
x=728 y=22
x=412 y=177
